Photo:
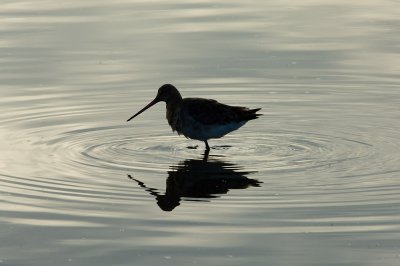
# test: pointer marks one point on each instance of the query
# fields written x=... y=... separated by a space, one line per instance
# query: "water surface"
x=315 y=181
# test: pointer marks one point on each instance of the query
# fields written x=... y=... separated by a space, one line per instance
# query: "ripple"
x=120 y=148
x=97 y=151
x=76 y=170
x=294 y=151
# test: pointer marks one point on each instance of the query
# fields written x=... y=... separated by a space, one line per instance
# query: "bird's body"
x=200 y=119
x=204 y=119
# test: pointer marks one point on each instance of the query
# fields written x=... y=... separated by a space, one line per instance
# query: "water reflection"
x=199 y=180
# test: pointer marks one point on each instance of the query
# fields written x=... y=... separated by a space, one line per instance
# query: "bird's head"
x=166 y=93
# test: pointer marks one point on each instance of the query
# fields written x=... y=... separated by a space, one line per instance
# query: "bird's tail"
x=251 y=114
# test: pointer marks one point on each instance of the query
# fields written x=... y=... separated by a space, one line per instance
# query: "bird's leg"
x=205 y=156
x=207 y=147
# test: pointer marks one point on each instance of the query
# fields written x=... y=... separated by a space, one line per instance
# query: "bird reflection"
x=199 y=180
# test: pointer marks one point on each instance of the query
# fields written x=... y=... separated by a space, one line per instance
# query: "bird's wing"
x=207 y=111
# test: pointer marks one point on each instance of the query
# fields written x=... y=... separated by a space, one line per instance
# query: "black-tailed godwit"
x=200 y=119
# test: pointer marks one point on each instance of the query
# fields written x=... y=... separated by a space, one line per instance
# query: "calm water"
x=315 y=181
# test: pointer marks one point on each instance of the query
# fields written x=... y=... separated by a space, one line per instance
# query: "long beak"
x=153 y=102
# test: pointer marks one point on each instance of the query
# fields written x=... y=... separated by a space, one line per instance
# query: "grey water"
x=314 y=181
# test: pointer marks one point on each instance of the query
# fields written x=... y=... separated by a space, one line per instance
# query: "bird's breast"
x=172 y=117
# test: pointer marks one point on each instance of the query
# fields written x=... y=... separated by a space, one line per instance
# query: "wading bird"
x=200 y=119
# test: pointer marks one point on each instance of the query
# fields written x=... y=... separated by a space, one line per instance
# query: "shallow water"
x=315 y=181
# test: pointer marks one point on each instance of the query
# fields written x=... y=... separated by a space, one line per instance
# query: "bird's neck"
x=172 y=107
x=174 y=101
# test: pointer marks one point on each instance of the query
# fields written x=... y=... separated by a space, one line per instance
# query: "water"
x=315 y=181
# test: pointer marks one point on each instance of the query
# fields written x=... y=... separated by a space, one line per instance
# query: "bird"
x=199 y=179
x=198 y=118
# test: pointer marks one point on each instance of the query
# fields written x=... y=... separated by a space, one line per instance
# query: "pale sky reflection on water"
x=325 y=153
